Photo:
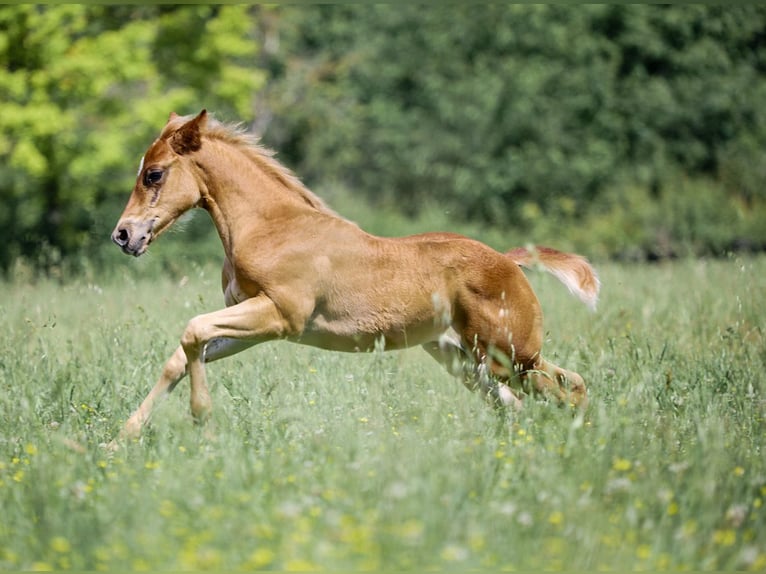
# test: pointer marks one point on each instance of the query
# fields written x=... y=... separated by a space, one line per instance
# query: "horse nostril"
x=121 y=237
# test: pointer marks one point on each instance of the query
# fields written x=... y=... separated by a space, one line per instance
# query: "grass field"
x=322 y=460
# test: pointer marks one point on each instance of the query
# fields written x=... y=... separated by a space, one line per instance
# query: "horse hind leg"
x=495 y=389
x=550 y=380
x=452 y=355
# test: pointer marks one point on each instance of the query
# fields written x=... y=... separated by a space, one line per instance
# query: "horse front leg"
x=450 y=352
x=172 y=373
x=250 y=322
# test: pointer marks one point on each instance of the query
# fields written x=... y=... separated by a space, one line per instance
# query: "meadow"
x=318 y=460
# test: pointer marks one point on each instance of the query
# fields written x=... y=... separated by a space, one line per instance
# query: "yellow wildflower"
x=725 y=537
x=60 y=544
x=260 y=558
x=300 y=565
x=643 y=551
x=556 y=518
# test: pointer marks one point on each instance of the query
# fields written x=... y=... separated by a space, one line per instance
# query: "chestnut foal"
x=295 y=270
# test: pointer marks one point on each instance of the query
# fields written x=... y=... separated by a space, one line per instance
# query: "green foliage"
x=516 y=120
x=383 y=461
x=518 y=115
x=84 y=89
x=687 y=217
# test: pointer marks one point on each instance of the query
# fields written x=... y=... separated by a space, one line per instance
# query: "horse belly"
x=377 y=330
x=366 y=342
x=392 y=298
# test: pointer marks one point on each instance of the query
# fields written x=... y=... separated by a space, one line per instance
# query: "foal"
x=295 y=270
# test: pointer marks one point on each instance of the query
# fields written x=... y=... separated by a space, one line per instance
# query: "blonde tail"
x=572 y=270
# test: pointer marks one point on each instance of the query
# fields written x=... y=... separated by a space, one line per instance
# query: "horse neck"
x=242 y=191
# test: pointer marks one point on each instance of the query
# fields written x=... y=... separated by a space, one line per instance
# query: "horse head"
x=166 y=186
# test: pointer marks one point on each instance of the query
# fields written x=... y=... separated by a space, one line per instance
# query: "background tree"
x=619 y=130
x=535 y=117
x=84 y=88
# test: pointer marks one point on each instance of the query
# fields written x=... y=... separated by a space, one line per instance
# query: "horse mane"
x=236 y=135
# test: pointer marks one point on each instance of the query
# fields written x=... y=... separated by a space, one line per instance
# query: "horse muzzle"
x=133 y=238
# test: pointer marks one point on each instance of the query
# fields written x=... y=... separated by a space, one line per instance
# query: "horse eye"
x=153 y=177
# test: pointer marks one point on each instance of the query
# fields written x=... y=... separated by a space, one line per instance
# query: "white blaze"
x=140 y=167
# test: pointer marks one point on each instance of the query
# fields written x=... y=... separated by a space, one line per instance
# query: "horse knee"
x=194 y=337
x=175 y=368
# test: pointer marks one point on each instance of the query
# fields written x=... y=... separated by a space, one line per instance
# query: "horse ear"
x=188 y=138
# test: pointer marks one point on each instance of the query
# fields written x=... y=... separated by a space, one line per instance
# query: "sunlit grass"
x=316 y=460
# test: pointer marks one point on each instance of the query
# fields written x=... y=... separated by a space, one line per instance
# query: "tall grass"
x=323 y=460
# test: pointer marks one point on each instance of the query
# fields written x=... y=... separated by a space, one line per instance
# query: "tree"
x=519 y=117
x=513 y=114
x=84 y=89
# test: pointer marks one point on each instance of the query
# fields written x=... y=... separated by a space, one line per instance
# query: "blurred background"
x=623 y=132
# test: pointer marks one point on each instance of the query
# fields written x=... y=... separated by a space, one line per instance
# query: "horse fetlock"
x=578 y=395
x=201 y=408
x=573 y=388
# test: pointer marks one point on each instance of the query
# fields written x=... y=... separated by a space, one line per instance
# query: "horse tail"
x=572 y=270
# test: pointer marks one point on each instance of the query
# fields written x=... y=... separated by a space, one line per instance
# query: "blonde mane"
x=237 y=136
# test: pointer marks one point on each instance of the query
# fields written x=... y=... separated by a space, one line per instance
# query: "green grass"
x=324 y=460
